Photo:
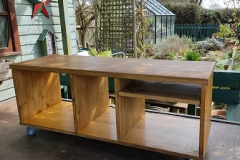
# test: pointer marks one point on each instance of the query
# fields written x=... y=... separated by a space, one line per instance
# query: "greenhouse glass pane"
x=164 y=27
x=173 y=24
x=151 y=23
x=169 y=25
x=3 y=32
x=2 y=6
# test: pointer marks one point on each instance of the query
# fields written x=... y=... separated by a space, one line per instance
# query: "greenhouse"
x=161 y=20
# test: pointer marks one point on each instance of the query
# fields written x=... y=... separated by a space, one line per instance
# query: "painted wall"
x=29 y=31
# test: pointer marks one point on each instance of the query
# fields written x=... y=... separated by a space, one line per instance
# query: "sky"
x=214 y=4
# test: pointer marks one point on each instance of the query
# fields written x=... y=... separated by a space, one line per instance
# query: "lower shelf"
x=58 y=117
x=104 y=127
x=166 y=134
x=162 y=133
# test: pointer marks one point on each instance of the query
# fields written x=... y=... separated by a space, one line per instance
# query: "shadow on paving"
x=15 y=144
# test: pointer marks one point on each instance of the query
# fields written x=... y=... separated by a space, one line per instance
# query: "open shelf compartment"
x=103 y=127
x=40 y=104
x=170 y=92
x=57 y=117
x=93 y=117
x=166 y=134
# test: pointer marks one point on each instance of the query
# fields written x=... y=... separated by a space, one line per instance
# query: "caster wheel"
x=186 y=159
x=31 y=131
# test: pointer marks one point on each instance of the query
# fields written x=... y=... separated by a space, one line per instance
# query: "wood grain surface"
x=35 y=92
x=166 y=134
x=128 y=110
x=103 y=127
x=90 y=98
x=205 y=118
x=170 y=92
x=58 y=117
x=143 y=69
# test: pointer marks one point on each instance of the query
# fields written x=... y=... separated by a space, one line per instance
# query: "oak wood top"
x=141 y=69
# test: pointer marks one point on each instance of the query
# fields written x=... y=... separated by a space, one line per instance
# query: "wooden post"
x=134 y=28
x=96 y=23
x=64 y=20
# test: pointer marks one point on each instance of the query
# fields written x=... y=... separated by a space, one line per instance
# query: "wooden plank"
x=165 y=134
x=58 y=117
x=205 y=118
x=177 y=71
x=230 y=96
x=128 y=110
x=90 y=98
x=65 y=28
x=170 y=92
x=103 y=127
x=41 y=91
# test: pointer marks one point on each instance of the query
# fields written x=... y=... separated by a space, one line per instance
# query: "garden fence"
x=197 y=31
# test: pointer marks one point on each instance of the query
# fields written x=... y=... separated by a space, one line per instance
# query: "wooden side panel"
x=128 y=110
x=90 y=98
x=205 y=119
x=35 y=92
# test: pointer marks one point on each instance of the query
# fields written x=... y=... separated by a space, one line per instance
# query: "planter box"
x=5 y=72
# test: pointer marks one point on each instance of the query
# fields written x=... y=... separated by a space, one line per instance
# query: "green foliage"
x=225 y=31
x=193 y=56
x=186 y=12
x=143 y=34
x=220 y=64
x=172 y=46
x=93 y=52
x=236 y=67
x=193 y=13
x=237 y=56
x=210 y=44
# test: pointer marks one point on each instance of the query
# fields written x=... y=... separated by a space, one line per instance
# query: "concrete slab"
x=224 y=143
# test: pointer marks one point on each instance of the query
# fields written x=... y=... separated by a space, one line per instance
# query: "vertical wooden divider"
x=128 y=110
x=35 y=92
x=90 y=98
x=205 y=118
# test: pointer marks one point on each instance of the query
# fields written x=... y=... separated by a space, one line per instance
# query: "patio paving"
x=224 y=143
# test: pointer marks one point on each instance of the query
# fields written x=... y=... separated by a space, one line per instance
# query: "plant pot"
x=220 y=114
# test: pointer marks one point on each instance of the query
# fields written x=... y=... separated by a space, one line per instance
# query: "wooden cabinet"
x=89 y=115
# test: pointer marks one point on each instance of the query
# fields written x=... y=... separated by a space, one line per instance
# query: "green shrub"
x=171 y=46
x=225 y=31
x=193 y=13
x=193 y=56
x=220 y=64
x=210 y=44
x=93 y=52
x=236 y=67
x=185 y=12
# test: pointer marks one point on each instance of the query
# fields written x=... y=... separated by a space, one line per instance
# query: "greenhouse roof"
x=156 y=8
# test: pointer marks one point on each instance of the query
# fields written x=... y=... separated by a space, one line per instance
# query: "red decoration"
x=40 y=6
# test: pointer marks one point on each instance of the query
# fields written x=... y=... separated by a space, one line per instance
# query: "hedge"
x=193 y=13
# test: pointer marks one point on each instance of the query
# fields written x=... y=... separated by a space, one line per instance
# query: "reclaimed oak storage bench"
x=38 y=95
